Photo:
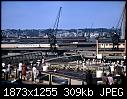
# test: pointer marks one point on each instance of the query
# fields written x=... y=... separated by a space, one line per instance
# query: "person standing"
x=34 y=70
x=24 y=71
x=42 y=62
x=110 y=79
x=112 y=69
x=3 y=70
x=20 y=71
x=123 y=78
x=8 y=70
x=104 y=79
x=84 y=66
x=89 y=77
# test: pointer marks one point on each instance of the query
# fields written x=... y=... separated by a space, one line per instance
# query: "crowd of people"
x=115 y=72
x=21 y=72
x=111 y=80
x=6 y=70
x=115 y=75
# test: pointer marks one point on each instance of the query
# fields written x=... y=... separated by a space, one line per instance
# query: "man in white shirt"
x=35 y=73
x=43 y=61
x=3 y=70
x=20 y=71
x=112 y=69
x=8 y=67
x=124 y=69
x=8 y=70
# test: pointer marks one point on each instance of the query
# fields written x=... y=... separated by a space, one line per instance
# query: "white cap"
x=3 y=64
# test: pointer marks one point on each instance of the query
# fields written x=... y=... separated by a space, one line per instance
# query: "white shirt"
x=124 y=68
x=84 y=66
x=20 y=67
x=110 y=80
x=43 y=61
x=8 y=69
x=34 y=70
x=112 y=68
x=3 y=64
x=4 y=70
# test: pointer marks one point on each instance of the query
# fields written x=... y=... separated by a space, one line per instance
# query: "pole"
x=97 y=46
x=125 y=48
x=50 y=79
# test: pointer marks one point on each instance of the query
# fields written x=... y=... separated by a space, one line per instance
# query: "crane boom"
x=55 y=27
x=52 y=33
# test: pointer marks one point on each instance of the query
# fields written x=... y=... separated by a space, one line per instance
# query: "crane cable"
x=121 y=18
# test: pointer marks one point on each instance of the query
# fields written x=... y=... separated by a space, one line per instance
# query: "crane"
x=52 y=33
x=115 y=36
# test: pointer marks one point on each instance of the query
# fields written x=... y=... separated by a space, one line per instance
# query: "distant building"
x=105 y=48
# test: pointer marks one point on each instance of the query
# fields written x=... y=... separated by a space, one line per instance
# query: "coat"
x=23 y=69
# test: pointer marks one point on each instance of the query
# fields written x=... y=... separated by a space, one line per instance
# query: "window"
x=106 y=44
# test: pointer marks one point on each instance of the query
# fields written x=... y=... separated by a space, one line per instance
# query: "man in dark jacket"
x=89 y=77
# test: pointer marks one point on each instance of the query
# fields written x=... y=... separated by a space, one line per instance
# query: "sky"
x=74 y=14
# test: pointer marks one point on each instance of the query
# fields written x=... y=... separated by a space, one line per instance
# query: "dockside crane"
x=115 y=36
x=52 y=33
